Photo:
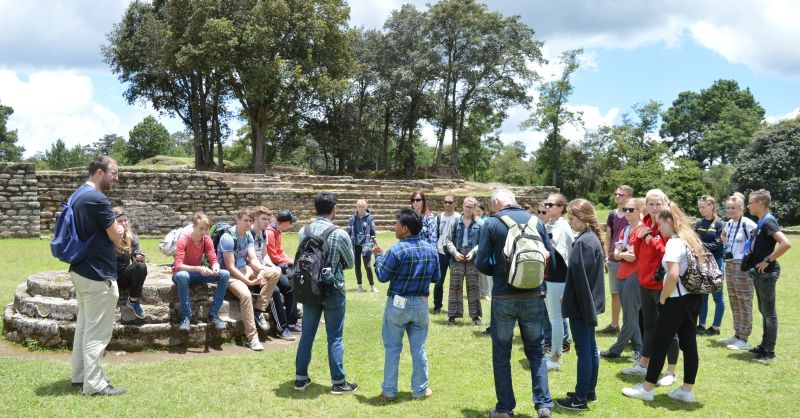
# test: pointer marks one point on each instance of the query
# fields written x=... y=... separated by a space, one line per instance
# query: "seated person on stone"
x=131 y=270
x=237 y=254
x=188 y=269
x=283 y=308
x=283 y=222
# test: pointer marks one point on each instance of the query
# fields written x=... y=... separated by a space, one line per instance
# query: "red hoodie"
x=648 y=256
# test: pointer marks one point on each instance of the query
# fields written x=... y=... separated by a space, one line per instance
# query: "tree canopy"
x=9 y=150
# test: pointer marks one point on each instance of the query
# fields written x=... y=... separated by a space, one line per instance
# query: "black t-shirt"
x=764 y=244
x=93 y=215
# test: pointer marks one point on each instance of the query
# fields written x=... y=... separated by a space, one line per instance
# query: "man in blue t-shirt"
x=236 y=253
x=95 y=279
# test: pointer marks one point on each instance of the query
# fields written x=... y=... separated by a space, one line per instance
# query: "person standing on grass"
x=333 y=301
x=616 y=222
x=768 y=245
x=628 y=284
x=556 y=328
x=462 y=243
x=410 y=266
x=444 y=230
x=737 y=231
x=709 y=228
x=649 y=246
x=678 y=308
x=95 y=278
x=362 y=234
x=484 y=280
x=131 y=269
x=188 y=269
x=511 y=306
x=583 y=300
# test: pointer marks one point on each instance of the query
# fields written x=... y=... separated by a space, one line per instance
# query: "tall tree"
x=714 y=125
x=59 y=157
x=552 y=114
x=9 y=151
x=147 y=139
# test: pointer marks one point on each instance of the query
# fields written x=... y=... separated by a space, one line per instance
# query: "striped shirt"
x=410 y=266
x=339 y=246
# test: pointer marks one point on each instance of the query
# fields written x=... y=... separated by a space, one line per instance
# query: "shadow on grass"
x=377 y=400
x=62 y=387
x=664 y=401
x=478 y=333
x=742 y=355
x=714 y=343
x=286 y=390
x=630 y=378
x=474 y=413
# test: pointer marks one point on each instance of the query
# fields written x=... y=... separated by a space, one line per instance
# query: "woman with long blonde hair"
x=679 y=308
x=131 y=269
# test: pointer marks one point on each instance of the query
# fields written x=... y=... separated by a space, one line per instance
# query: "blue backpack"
x=66 y=245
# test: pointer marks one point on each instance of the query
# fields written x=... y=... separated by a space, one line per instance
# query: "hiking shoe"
x=261 y=321
x=137 y=309
x=712 y=331
x=701 y=330
x=543 y=413
x=286 y=335
x=610 y=329
x=217 y=323
x=345 y=387
x=477 y=322
x=635 y=370
x=669 y=379
x=295 y=328
x=185 y=325
x=109 y=391
x=739 y=345
x=255 y=344
x=451 y=322
x=494 y=413
x=609 y=355
x=638 y=392
x=729 y=340
x=757 y=350
x=302 y=384
x=682 y=395
x=592 y=397
x=765 y=357
x=635 y=357
x=553 y=364
x=572 y=404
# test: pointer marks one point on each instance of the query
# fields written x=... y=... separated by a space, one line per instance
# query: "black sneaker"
x=302 y=384
x=572 y=404
x=609 y=355
x=764 y=357
x=592 y=397
x=451 y=322
x=757 y=350
x=487 y=331
x=610 y=329
x=345 y=387
x=701 y=330
x=712 y=331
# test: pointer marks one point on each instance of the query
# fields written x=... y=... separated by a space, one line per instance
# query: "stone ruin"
x=45 y=311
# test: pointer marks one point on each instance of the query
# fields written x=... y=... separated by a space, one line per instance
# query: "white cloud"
x=49 y=105
x=791 y=115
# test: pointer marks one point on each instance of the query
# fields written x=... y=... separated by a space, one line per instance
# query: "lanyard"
x=736 y=232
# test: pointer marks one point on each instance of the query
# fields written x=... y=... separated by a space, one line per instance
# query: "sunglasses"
x=448 y=202
x=417 y=200
x=542 y=212
x=550 y=205
x=629 y=210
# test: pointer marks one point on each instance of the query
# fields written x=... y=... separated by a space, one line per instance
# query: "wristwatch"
x=767 y=260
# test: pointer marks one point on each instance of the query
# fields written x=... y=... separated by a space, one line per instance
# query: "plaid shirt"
x=341 y=249
x=411 y=266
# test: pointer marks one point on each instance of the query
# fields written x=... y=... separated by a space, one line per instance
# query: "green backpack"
x=525 y=254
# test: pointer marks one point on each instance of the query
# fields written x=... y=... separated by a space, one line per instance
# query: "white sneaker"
x=739 y=345
x=635 y=357
x=729 y=340
x=553 y=365
x=374 y=289
x=638 y=392
x=669 y=379
x=635 y=370
x=682 y=395
x=255 y=344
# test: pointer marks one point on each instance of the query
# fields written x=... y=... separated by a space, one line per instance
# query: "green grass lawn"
x=260 y=384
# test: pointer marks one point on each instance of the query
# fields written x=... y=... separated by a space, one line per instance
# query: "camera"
x=661 y=273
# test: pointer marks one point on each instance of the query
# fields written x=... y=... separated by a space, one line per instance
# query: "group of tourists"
x=646 y=250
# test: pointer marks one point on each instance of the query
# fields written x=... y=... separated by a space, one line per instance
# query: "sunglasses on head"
x=417 y=200
x=629 y=210
x=550 y=205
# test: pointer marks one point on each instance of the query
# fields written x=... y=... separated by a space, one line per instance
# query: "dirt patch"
x=11 y=350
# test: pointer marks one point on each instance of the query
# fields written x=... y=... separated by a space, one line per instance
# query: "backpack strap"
x=508 y=221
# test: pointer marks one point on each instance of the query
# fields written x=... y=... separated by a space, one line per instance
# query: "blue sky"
x=52 y=74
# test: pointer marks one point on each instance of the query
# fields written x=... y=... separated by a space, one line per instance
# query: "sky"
x=52 y=73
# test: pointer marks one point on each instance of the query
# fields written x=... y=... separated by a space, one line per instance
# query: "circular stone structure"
x=45 y=310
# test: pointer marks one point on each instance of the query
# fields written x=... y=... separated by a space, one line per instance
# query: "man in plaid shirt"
x=410 y=266
x=333 y=303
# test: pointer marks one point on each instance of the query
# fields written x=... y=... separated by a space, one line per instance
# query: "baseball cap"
x=285 y=215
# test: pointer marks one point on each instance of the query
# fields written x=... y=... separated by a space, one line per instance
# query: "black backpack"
x=311 y=258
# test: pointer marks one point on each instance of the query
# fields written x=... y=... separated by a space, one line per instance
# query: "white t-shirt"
x=736 y=243
x=675 y=252
x=445 y=225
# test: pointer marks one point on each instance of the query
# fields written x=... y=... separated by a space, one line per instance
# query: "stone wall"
x=19 y=208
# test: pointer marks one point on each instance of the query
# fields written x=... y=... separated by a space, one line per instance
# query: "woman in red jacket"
x=649 y=246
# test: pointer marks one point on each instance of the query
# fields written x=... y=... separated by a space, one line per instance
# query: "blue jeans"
x=413 y=320
x=557 y=322
x=588 y=358
x=719 y=305
x=765 y=292
x=333 y=304
x=530 y=315
x=183 y=279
